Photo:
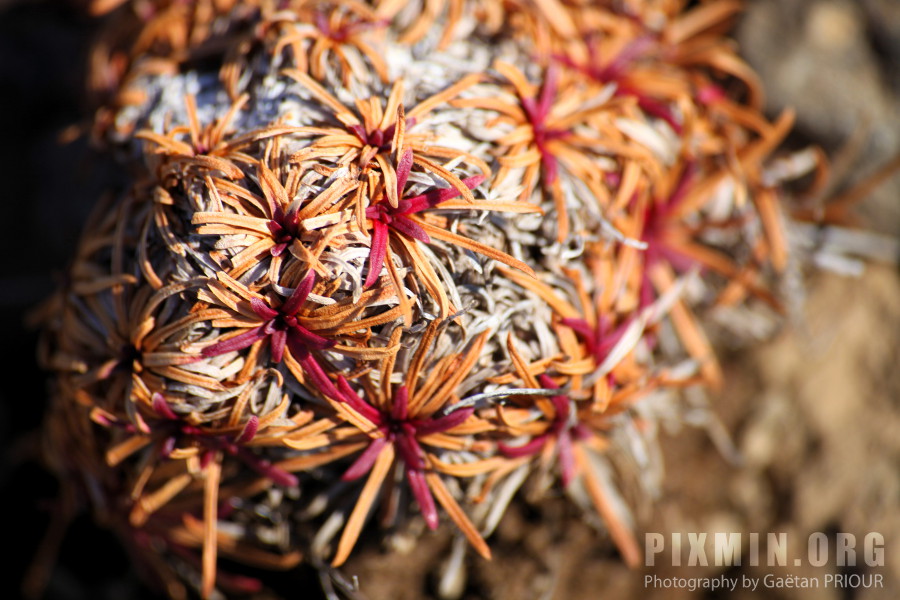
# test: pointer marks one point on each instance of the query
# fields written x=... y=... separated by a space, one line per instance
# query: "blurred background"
x=814 y=412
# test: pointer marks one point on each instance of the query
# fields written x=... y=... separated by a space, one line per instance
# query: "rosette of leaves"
x=409 y=257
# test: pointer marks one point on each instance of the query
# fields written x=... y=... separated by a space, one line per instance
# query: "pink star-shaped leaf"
x=283 y=329
x=403 y=432
x=385 y=217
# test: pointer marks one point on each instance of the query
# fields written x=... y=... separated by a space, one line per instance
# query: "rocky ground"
x=814 y=412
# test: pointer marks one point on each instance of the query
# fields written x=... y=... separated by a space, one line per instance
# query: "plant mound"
x=399 y=258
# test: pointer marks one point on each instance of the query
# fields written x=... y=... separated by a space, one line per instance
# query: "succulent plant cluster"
x=402 y=258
